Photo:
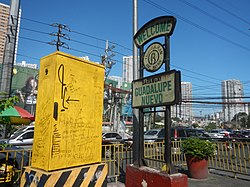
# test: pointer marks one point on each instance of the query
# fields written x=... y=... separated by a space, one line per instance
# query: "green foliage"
x=243 y=122
x=7 y=102
x=176 y=119
x=3 y=146
x=238 y=116
x=210 y=126
x=198 y=148
x=195 y=125
x=248 y=121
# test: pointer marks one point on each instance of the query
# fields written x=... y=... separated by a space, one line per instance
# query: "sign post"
x=158 y=90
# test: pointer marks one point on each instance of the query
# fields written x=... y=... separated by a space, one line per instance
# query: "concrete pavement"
x=215 y=179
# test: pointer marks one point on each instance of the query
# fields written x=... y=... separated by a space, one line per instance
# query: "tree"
x=210 y=126
x=176 y=119
x=239 y=116
x=243 y=122
x=248 y=121
x=195 y=125
x=240 y=120
x=7 y=102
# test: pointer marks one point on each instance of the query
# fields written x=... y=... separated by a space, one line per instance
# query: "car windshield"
x=151 y=133
x=246 y=133
x=217 y=131
x=15 y=135
x=19 y=130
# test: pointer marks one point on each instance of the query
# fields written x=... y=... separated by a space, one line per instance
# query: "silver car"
x=23 y=129
x=22 y=138
x=152 y=135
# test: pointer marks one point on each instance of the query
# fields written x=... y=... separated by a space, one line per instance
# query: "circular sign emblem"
x=153 y=57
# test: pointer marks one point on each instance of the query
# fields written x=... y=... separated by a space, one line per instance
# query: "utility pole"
x=59 y=34
x=9 y=50
x=137 y=145
x=107 y=60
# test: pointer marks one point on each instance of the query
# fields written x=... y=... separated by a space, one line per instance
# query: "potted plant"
x=197 y=152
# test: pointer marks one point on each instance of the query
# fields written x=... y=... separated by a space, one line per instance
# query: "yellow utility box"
x=68 y=127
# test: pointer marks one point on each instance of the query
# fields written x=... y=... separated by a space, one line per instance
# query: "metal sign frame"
x=159 y=27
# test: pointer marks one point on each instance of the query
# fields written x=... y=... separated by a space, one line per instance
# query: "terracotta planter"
x=197 y=169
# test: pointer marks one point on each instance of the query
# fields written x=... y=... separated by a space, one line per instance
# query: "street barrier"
x=12 y=161
x=233 y=157
x=230 y=156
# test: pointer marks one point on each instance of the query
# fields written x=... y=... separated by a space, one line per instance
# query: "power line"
x=223 y=103
x=27 y=56
x=73 y=40
x=93 y=37
x=198 y=79
x=36 y=31
x=103 y=48
x=60 y=35
x=34 y=40
x=213 y=17
x=35 y=21
x=197 y=26
x=195 y=72
x=221 y=98
x=99 y=56
x=79 y=33
x=77 y=50
x=230 y=13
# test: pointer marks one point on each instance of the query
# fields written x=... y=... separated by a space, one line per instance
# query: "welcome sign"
x=161 y=26
x=158 y=90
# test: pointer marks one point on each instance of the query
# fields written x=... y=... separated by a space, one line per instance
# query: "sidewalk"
x=215 y=179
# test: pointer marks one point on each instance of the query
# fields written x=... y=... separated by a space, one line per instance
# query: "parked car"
x=236 y=134
x=110 y=141
x=111 y=137
x=152 y=135
x=25 y=128
x=176 y=134
x=218 y=133
x=22 y=139
x=246 y=134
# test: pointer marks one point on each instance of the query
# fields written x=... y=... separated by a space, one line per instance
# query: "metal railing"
x=11 y=163
x=231 y=156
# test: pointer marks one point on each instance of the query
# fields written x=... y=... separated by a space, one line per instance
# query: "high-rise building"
x=232 y=96
x=127 y=69
x=184 y=110
x=4 y=21
x=4 y=14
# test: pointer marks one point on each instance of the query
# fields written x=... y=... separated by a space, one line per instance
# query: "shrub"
x=201 y=149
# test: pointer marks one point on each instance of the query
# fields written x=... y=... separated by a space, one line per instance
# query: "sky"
x=210 y=43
